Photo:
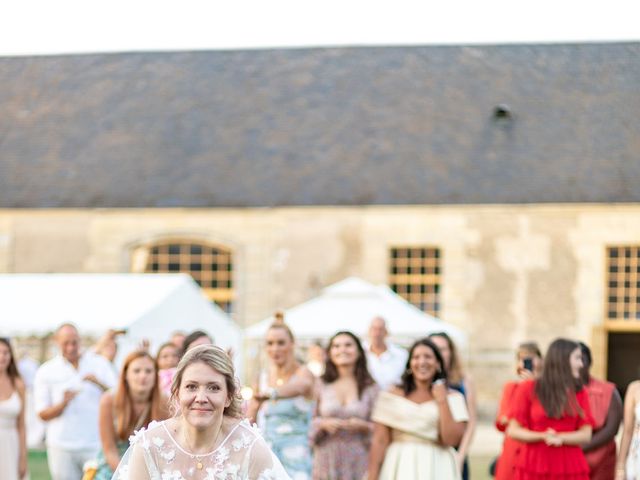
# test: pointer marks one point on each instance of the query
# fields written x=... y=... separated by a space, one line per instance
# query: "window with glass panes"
x=211 y=266
x=414 y=274
x=623 y=283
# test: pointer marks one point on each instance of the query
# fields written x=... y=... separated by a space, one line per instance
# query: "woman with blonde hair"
x=134 y=403
x=284 y=403
x=628 y=460
x=167 y=359
x=529 y=366
x=207 y=438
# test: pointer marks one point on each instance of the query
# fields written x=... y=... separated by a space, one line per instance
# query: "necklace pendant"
x=199 y=465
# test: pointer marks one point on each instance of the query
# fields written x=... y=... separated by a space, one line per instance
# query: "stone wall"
x=509 y=273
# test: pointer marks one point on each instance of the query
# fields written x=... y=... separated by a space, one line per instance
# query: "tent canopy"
x=150 y=306
x=351 y=304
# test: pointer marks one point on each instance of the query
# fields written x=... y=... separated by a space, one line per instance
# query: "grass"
x=38 y=465
x=479 y=467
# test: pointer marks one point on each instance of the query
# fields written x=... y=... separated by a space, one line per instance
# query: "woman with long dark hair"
x=342 y=428
x=136 y=401
x=462 y=382
x=418 y=423
x=551 y=416
x=13 y=443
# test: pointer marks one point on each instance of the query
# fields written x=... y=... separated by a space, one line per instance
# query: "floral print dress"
x=155 y=455
x=285 y=424
x=343 y=455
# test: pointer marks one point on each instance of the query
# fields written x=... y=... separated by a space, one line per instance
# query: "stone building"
x=493 y=186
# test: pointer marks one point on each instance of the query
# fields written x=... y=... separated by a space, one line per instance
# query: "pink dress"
x=165 y=377
x=344 y=454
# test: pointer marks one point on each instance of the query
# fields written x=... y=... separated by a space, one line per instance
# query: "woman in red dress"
x=529 y=367
x=551 y=416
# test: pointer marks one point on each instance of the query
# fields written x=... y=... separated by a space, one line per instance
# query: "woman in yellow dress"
x=418 y=423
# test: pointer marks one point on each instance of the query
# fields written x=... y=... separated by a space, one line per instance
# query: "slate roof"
x=326 y=126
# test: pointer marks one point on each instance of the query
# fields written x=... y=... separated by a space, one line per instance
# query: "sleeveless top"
x=9 y=442
x=285 y=424
x=9 y=411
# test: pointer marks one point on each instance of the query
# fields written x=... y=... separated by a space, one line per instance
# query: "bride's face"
x=203 y=395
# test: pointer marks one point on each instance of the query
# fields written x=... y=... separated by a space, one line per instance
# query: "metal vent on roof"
x=502 y=111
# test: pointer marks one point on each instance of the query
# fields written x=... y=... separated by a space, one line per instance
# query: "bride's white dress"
x=155 y=455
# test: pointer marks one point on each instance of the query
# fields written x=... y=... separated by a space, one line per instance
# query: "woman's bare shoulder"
x=304 y=372
x=20 y=386
x=634 y=388
x=396 y=391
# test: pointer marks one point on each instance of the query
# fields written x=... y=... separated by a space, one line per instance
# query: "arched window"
x=209 y=265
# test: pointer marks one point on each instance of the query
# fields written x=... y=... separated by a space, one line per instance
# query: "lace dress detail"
x=155 y=455
x=633 y=459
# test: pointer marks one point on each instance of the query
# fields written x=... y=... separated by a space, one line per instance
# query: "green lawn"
x=38 y=465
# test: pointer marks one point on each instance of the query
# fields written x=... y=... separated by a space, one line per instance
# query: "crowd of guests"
x=356 y=410
x=374 y=411
x=561 y=422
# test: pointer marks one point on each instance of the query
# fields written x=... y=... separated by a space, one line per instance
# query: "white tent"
x=148 y=306
x=351 y=304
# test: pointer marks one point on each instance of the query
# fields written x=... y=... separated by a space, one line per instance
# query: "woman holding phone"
x=462 y=382
x=418 y=423
x=552 y=418
x=529 y=366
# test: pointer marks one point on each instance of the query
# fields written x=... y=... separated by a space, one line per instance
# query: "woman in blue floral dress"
x=284 y=403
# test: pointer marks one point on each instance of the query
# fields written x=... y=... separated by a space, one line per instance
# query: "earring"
x=407 y=371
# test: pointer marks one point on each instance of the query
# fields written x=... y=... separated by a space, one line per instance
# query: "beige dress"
x=414 y=451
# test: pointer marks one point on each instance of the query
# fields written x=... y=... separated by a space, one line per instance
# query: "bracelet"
x=272 y=393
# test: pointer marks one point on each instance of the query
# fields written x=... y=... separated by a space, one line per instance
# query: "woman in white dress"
x=206 y=439
x=628 y=463
x=13 y=443
x=417 y=424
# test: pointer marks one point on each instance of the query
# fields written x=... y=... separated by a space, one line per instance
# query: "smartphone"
x=527 y=364
x=438 y=376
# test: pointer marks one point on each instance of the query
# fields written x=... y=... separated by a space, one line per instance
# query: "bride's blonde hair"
x=217 y=359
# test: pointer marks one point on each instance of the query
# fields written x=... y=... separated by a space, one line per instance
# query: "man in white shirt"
x=67 y=392
x=386 y=361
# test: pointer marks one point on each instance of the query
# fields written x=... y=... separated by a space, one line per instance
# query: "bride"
x=206 y=439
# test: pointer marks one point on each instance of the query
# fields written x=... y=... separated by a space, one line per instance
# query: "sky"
x=43 y=27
